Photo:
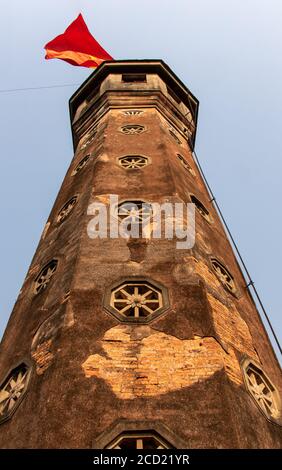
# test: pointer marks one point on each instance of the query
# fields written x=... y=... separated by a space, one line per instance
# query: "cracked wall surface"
x=231 y=327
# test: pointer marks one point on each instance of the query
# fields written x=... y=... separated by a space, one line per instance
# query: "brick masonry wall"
x=139 y=362
x=183 y=368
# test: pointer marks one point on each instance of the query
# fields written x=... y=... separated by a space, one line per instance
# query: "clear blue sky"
x=228 y=52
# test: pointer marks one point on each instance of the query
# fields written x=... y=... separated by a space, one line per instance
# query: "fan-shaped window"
x=131 y=162
x=138 y=300
x=132 y=112
x=185 y=164
x=173 y=134
x=66 y=209
x=132 y=129
x=139 y=440
x=45 y=276
x=261 y=389
x=201 y=208
x=89 y=140
x=223 y=275
x=81 y=165
x=12 y=390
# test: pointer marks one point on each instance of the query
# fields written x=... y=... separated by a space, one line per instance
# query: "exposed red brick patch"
x=157 y=363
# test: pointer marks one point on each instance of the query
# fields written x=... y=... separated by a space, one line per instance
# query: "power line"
x=250 y=281
x=12 y=90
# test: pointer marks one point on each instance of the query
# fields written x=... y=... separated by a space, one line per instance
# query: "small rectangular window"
x=133 y=77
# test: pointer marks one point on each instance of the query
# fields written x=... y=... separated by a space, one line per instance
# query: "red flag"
x=77 y=46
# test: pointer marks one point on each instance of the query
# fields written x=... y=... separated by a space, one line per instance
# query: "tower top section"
x=113 y=82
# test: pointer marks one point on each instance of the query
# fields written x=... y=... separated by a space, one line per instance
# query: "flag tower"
x=133 y=343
